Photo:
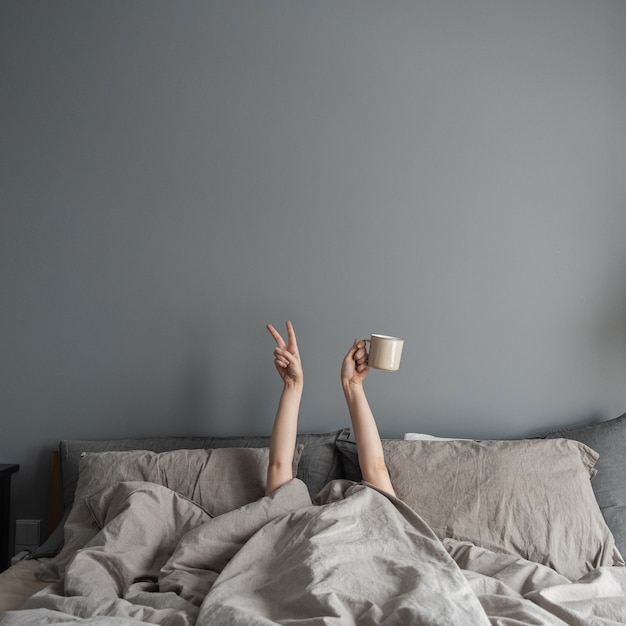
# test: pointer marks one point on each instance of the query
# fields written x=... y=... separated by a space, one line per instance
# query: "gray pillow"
x=349 y=460
x=531 y=498
x=219 y=480
x=320 y=463
x=608 y=439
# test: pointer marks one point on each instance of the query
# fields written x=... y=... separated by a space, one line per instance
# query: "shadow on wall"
x=569 y=422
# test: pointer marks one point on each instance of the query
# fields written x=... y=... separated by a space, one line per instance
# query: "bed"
x=177 y=531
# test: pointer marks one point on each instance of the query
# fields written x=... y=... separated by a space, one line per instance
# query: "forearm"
x=368 y=443
x=283 y=441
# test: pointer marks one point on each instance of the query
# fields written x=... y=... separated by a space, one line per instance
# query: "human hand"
x=354 y=368
x=287 y=357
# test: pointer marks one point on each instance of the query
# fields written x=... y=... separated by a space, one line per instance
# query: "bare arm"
x=285 y=429
x=368 y=444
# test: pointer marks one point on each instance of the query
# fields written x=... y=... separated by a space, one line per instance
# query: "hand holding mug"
x=354 y=368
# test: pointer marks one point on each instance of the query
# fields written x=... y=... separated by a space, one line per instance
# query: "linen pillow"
x=422 y=436
x=608 y=439
x=531 y=498
x=320 y=463
x=219 y=480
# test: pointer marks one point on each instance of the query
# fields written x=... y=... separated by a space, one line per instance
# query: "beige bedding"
x=360 y=558
x=18 y=583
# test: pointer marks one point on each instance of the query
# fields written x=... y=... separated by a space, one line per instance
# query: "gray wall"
x=177 y=174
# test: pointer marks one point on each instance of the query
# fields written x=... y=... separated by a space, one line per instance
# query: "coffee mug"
x=385 y=352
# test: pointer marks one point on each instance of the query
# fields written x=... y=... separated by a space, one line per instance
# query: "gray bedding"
x=359 y=558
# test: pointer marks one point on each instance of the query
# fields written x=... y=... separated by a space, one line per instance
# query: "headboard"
x=55 y=498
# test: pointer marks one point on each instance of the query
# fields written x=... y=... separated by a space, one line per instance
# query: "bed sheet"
x=19 y=582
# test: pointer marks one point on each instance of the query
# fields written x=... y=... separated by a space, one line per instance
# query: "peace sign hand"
x=287 y=357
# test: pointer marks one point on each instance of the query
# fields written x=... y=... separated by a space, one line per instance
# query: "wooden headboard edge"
x=55 y=497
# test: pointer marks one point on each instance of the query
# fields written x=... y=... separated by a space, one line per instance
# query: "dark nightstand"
x=5 y=512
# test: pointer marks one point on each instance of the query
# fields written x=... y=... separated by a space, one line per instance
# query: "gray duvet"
x=360 y=558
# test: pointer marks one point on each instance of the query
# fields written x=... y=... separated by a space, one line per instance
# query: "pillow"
x=219 y=480
x=531 y=497
x=421 y=437
x=320 y=463
x=608 y=439
x=349 y=460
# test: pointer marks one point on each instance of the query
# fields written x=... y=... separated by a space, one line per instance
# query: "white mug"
x=385 y=352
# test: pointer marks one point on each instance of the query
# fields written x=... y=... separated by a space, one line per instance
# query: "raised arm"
x=354 y=369
x=285 y=429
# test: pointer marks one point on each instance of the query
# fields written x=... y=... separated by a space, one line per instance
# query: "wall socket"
x=27 y=534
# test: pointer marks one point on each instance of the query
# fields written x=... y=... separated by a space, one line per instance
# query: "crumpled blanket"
x=361 y=558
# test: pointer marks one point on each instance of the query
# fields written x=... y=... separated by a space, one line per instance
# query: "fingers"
x=360 y=351
x=360 y=355
x=291 y=337
x=283 y=358
x=279 y=340
x=363 y=367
